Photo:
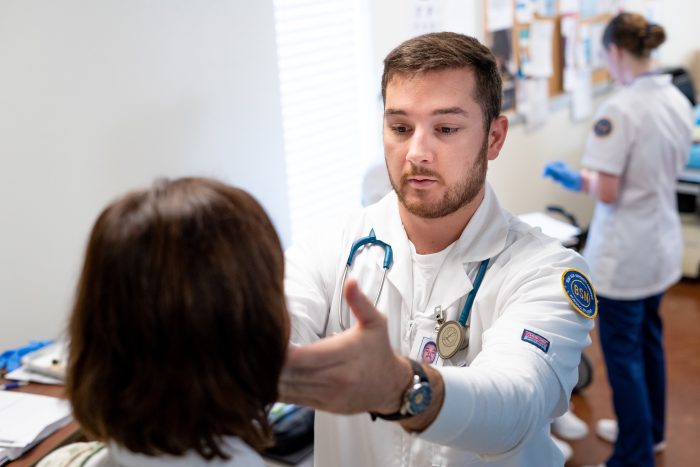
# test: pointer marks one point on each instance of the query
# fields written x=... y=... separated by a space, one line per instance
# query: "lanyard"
x=464 y=315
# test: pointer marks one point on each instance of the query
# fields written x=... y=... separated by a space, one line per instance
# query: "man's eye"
x=447 y=130
x=399 y=129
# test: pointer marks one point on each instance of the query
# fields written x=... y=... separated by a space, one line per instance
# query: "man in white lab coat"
x=508 y=308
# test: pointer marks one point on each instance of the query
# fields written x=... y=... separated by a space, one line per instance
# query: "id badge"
x=425 y=349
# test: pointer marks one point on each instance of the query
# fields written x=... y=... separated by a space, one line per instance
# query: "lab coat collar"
x=485 y=234
x=484 y=237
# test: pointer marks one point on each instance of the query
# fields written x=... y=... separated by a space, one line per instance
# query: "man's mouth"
x=420 y=181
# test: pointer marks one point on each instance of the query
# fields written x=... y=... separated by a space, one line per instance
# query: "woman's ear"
x=613 y=52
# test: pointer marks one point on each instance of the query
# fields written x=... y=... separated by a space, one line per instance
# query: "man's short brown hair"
x=444 y=51
x=179 y=328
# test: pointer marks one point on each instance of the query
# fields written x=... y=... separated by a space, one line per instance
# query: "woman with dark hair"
x=179 y=330
x=639 y=144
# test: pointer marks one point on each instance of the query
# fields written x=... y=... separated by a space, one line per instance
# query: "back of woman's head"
x=179 y=328
x=633 y=33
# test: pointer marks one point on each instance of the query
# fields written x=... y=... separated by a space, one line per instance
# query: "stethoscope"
x=452 y=335
x=369 y=240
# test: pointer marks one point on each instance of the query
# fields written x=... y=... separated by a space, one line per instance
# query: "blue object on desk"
x=12 y=359
x=13 y=385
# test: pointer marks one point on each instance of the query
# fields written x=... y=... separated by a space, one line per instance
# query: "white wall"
x=100 y=97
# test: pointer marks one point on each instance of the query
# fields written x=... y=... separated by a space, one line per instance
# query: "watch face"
x=419 y=398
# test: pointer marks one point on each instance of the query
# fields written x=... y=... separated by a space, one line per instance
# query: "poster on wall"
x=426 y=17
x=582 y=96
x=524 y=11
x=499 y=15
x=539 y=50
x=533 y=101
x=568 y=7
x=546 y=8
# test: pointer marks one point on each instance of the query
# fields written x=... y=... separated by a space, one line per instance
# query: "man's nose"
x=421 y=147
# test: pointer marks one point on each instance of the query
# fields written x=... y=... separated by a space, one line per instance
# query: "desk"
x=67 y=434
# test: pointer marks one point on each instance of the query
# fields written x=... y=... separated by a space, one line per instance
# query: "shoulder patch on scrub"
x=535 y=339
x=603 y=127
x=580 y=293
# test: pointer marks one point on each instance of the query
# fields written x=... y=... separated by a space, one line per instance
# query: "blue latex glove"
x=12 y=359
x=560 y=172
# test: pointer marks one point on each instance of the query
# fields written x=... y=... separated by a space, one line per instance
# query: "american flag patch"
x=535 y=339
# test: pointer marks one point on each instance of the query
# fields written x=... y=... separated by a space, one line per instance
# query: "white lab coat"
x=501 y=392
x=635 y=245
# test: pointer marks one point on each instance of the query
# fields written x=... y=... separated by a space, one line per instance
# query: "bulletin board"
x=546 y=39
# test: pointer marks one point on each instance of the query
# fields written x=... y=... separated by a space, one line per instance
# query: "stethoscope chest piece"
x=452 y=337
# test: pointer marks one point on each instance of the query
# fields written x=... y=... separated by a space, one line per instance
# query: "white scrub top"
x=643 y=135
x=503 y=390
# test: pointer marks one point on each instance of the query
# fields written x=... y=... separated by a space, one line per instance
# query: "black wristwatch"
x=416 y=398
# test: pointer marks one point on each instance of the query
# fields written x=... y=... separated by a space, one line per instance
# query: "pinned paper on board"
x=426 y=16
x=539 y=49
x=582 y=95
x=499 y=15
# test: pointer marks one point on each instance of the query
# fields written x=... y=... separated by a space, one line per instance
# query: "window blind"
x=323 y=61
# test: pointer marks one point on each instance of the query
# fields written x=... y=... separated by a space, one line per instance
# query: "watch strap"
x=419 y=376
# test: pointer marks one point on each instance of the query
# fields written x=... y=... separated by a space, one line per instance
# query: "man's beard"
x=456 y=197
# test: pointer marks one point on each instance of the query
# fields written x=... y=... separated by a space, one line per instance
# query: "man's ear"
x=497 y=136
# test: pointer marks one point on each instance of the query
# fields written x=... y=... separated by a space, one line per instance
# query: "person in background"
x=640 y=142
x=178 y=332
x=494 y=294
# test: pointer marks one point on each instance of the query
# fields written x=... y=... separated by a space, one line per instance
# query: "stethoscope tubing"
x=369 y=240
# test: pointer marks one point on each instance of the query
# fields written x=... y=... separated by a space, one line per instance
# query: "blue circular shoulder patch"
x=602 y=127
x=579 y=292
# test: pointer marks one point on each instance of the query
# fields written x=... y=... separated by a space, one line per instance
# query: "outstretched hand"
x=351 y=372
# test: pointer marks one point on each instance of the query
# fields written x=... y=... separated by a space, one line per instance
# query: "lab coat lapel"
x=483 y=238
x=400 y=276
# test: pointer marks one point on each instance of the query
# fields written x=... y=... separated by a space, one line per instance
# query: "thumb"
x=361 y=306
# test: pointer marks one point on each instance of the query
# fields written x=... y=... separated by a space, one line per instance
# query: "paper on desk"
x=28 y=418
x=562 y=231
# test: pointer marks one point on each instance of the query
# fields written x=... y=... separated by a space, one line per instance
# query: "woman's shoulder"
x=76 y=454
